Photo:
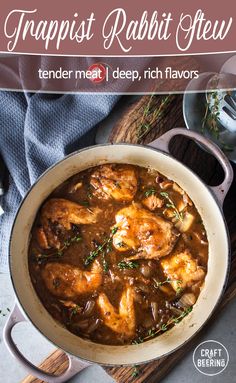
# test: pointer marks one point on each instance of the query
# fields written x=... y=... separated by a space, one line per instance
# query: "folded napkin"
x=37 y=130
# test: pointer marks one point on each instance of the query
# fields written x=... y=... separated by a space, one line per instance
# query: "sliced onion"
x=55 y=306
x=75 y=187
x=187 y=200
x=166 y=184
x=159 y=179
x=177 y=188
x=138 y=298
x=89 y=308
x=200 y=238
x=146 y=271
x=175 y=311
x=186 y=223
x=93 y=326
x=187 y=300
x=143 y=288
x=82 y=325
x=155 y=314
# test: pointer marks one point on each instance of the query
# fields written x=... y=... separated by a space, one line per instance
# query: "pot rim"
x=207 y=188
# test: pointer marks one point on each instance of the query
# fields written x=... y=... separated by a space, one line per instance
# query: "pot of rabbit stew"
x=118 y=254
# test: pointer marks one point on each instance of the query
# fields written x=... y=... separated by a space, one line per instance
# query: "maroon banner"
x=98 y=28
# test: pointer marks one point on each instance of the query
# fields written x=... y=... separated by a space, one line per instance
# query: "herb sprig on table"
x=150 y=116
x=164 y=327
x=211 y=120
x=211 y=116
x=135 y=372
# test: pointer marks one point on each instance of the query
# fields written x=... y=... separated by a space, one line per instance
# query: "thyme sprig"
x=121 y=244
x=226 y=147
x=178 y=215
x=179 y=288
x=211 y=120
x=149 y=192
x=104 y=263
x=211 y=116
x=89 y=192
x=84 y=203
x=128 y=265
x=73 y=311
x=164 y=327
x=101 y=249
x=168 y=280
x=146 y=126
x=135 y=372
x=60 y=252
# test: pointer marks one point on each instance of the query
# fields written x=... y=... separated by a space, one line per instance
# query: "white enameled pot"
x=208 y=201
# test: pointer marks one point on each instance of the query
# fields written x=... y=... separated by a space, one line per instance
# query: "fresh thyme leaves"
x=104 y=247
x=114 y=230
x=179 y=287
x=68 y=243
x=73 y=311
x=76 y=238
x=164 y=327
x=127 y=265
x=121 y=244
x=84 y=203
x=135 y=372
x=168 y=280
x=226 y=147
x=56 y=283
x=89 y=194
x=161 y=283
x=151 y=333
x=43 y=257
x=171 y=204
x=104 y=263
x=149 y=192
x=93 y=254
x=117 y=185
x=137 y=340
x=59 y=253
x=150 y=116
x=211 y=119
x=211 y=116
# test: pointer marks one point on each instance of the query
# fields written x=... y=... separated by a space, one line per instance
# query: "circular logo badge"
x=210 y=357
x=98 y=73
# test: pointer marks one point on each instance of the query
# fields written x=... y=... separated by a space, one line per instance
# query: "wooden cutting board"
x=144 y=121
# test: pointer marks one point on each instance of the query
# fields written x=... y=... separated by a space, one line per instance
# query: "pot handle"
x=74 y=367
x=219 y=191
